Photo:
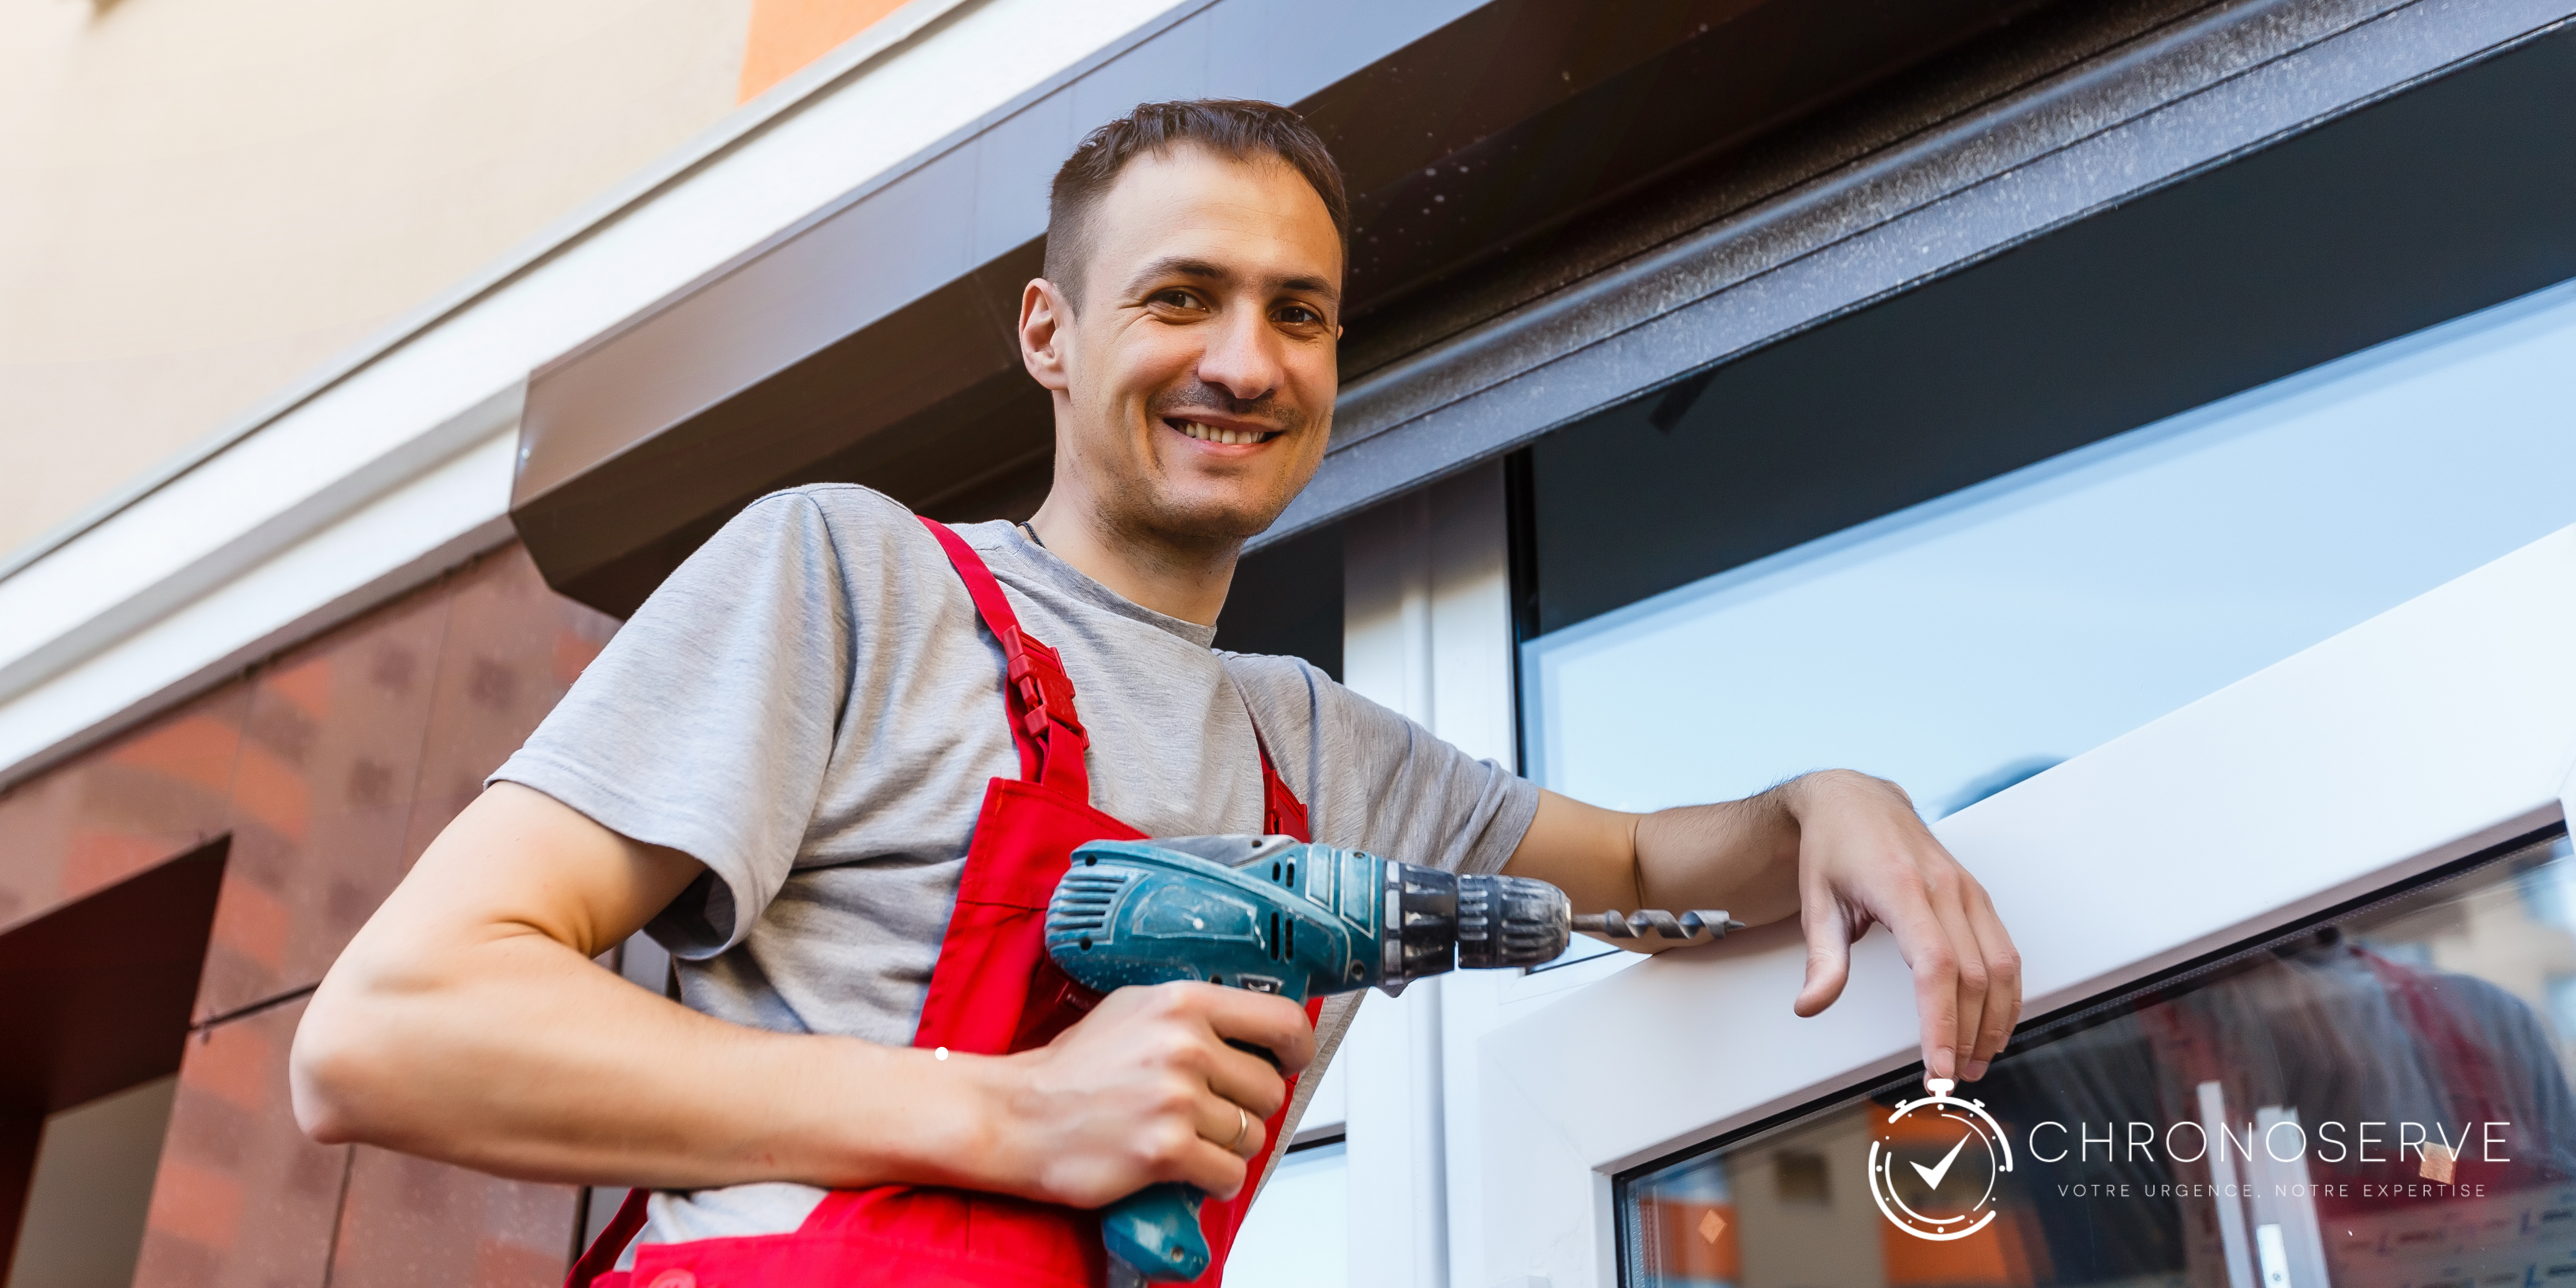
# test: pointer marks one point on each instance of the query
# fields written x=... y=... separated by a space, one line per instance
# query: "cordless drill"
x=1277 y=915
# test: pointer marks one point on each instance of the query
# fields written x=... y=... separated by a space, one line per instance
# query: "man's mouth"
x=1207 y=433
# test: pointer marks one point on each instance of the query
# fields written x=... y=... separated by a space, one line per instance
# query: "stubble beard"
x=1145 y=507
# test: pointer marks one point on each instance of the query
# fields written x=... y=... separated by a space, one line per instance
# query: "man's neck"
x=1187 y=581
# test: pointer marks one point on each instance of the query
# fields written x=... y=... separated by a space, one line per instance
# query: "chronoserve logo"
x=1935 y=1166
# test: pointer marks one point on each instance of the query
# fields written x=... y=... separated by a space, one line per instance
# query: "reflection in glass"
x=1960 y=644
x=2379 y=1102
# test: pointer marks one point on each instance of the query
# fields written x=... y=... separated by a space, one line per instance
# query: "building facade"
x=2143 y=430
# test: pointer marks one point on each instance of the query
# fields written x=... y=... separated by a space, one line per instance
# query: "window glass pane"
x=2375 y=1103
x=1299 y=1230
x=1971 y=640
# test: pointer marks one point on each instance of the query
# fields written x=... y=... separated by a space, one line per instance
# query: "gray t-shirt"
x=810 y=707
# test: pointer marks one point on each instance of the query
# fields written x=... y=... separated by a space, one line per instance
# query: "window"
x=1962 y=644
x=1299 y=1233
x=2264 y=579
x=2380 y=1098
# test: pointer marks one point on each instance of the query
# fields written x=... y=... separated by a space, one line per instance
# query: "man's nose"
x=1242 y=356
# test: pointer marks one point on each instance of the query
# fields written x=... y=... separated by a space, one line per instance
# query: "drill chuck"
x=1438 y=920
x=1510 y=921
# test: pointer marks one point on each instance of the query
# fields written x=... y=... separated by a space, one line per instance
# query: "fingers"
x=1865 y=856
x=1829 y=936
x=1224 y=1137
x=1265 y=1020
x=1945 y=893
x=2003 y=987
x=1191 y=1158
x=1234 y=1129
x=1146 y=1088
x=1925 y=944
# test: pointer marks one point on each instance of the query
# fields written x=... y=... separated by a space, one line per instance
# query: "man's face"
x=1195 y=383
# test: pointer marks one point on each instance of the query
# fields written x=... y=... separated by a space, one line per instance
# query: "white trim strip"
x=226 y=539
x=878 y=40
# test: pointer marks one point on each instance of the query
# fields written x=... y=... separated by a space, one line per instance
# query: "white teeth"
x=1217 y=434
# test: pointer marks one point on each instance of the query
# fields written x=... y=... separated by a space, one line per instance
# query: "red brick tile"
x=513 y=648
x=150 y=796
x=197 y=1204
x=331 y=743
x=36 y=820
x=306 y=683
x=409 y=1221
x=194 y=747
x=574 y=652
x=243 y=1199
x=238 y=1068
x=507 y=1265
x=94 y=860
x=270 y=791
x=254 y=923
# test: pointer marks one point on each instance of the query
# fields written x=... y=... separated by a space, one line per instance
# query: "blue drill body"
x=1275 y=915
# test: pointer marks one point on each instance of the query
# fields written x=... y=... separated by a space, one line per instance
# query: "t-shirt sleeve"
x=1376 y=781
x=707 y=724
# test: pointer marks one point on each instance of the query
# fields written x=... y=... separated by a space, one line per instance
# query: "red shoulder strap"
x=1282 y=814
x=1040 y=695
x=611 y=1243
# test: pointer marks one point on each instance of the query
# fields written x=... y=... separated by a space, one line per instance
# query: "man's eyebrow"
x=1181 y=266
x=1210 y=271
x=1312 y=286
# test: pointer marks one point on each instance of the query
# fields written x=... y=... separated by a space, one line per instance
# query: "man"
x=788 y=762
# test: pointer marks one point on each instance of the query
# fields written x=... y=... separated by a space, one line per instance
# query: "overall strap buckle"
x=1037 y=679
x=1050 y=736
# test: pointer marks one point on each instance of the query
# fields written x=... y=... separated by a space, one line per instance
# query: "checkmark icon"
x=1932 y=1175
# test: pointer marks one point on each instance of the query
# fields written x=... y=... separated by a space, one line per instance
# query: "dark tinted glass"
x=2440 y=201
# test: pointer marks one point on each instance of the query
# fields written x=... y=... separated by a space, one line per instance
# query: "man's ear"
x=1046 y=327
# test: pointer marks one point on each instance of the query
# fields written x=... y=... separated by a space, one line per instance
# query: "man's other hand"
x=1145 y=1089
x=1841 y=850
x=1864 y=856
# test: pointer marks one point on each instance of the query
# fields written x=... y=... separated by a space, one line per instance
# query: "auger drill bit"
x=1686 y=928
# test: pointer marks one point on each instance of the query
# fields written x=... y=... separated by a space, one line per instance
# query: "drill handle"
x=1156 y=1230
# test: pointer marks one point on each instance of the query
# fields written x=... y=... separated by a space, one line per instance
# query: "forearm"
x=515 y=1055
x=467 y=1022
x=1740 y=855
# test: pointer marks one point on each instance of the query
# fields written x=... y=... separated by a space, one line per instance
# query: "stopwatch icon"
x=1935 y=1166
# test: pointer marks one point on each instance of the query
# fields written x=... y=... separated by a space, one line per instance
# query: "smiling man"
x=838 y=760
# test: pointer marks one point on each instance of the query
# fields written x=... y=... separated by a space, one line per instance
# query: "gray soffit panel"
x=874 y=343
x=2169 y=102
x=873 y=340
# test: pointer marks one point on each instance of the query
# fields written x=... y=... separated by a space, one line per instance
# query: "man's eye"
x=1299 y=315
x=1176 y=299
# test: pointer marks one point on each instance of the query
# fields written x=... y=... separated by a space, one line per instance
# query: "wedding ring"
x=1242 y=1126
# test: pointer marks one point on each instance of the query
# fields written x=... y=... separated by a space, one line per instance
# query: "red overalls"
x=993 y=991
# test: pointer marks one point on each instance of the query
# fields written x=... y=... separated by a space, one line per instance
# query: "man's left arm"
x=1841 y=850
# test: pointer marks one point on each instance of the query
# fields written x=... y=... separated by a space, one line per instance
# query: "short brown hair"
x=1233 y=127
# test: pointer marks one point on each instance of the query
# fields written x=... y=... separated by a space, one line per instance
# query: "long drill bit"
x=1681 y=929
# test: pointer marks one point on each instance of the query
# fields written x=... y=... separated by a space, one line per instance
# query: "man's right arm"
x=468 y=1023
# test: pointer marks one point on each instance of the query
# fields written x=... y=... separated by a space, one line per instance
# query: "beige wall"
x=201 y=201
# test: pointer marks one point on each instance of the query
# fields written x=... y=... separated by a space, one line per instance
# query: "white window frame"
x=2439 y=728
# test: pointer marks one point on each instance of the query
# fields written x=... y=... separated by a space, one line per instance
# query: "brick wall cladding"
x=331 y=766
